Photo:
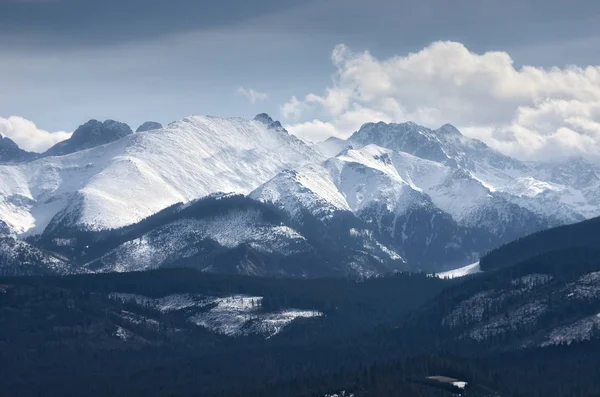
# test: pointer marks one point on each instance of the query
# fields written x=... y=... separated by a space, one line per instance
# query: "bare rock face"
x=10 y=152
x=149 y=126
x=91 y=134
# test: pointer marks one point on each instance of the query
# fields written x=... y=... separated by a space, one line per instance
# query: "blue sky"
x=66 y=61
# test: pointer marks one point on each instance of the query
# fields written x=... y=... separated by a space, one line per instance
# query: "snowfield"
x=461 y=272
x=240 y=315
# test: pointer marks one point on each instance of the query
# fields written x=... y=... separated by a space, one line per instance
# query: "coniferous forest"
x=376 y=337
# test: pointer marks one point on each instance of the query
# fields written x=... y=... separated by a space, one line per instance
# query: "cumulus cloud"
x=527 y=112
x=28 y=136
x=252 y=95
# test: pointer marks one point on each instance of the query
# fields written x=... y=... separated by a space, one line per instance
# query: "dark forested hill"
x=186 y=333
x=583 y=234
x=183 y=332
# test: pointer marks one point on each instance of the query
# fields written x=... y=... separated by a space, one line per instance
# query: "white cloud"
x=25 y=134
x=293 y=109
x=252 y=95
x=313 y=131
x=530 y=112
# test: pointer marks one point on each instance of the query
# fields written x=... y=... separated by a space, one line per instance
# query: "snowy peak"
x=131 y=178
x=445 y=145
x=149 y=126
x=309 y=188
x=354 y=180
x=406 y=137
x=89 y=135
x=371 y=156
x=448 y=130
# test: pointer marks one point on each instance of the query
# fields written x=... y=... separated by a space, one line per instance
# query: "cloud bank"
x=252 y=95
x=25 y=134
x=530 y=113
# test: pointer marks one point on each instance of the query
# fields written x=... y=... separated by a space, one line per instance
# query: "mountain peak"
x=267 y=120
x=405 y=137
x=448 y=129
x=94 y=129
x=264 y=118
x=10 y=152
x=382 y=126
x=149 y=126
x=6 y=142
x=92 y=133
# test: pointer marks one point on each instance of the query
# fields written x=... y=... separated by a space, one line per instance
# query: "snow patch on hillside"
x=586 y=287
x=240 y=315
x=234 y=315
x=582 y=330
x=473 y=268
x=165 y=304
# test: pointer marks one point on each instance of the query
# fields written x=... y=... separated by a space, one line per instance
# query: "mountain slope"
x=217 y=234
x=19 y=258
x=393 y=195
x=184 y=332
x=129 y=179
x=229 y=234
x=546 y=190
x=365 y=185
x=197 y=330
x=435 y=215
x=445 y=145
x=549 y=299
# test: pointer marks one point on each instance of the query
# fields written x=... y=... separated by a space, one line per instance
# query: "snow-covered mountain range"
x=392 y=196
x=129 y=179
